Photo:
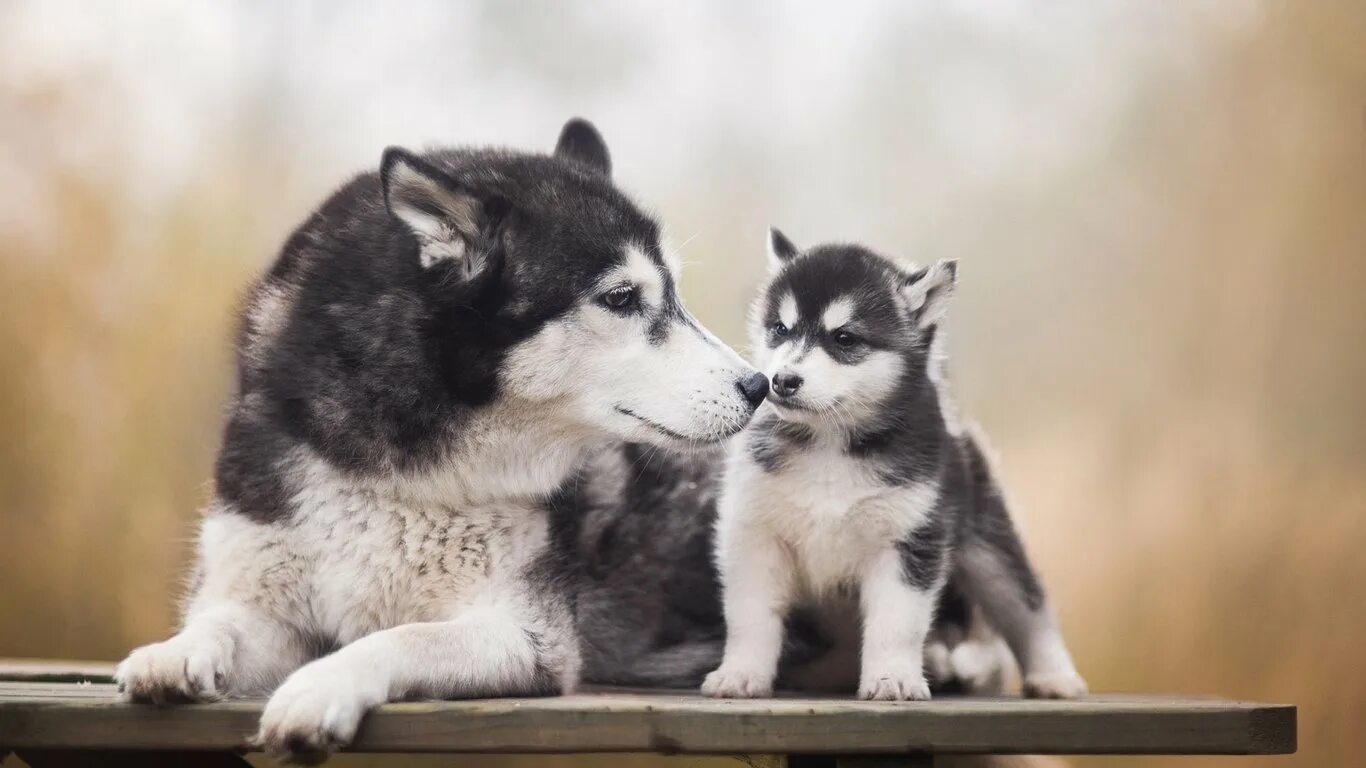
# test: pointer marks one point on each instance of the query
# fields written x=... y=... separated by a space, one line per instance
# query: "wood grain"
x=86 y=716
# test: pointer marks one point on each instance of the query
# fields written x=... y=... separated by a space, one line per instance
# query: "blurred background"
x=1159 y=210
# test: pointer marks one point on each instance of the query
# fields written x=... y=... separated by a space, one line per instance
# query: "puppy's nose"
x=786 y=384
x=753 y=387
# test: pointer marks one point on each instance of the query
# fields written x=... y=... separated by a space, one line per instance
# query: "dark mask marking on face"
x=671 y=310
x=832 y=273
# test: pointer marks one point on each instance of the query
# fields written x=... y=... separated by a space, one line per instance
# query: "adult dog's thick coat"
x=435 y=351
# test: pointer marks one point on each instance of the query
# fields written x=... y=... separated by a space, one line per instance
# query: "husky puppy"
x=855 y=495
x=640 y=523
x=435 y=351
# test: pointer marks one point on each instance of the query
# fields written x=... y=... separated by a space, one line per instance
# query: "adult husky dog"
x=432 y=354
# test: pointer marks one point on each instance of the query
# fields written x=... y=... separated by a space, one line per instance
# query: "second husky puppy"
x=855 y=495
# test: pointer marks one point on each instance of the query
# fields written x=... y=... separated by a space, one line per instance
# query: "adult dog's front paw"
x=1061 y=685
x=737 y=683
x=315 y=712
x=178 y=670
x=894 y=685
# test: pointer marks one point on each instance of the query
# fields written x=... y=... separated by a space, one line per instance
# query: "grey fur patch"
x=924 y=553
x=989 y=525
x=773 y=438
x=638 y=522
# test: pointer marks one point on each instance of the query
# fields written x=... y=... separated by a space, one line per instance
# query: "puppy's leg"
x=981 y=661
x=488 y=651
x=950 y=628
x=898 y=608
x=756 y=576
x=999 y=579
x=996 y=575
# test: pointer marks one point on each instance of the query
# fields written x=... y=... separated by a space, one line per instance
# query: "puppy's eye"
x=778 y=328
x=620 y=298
x=845 y=339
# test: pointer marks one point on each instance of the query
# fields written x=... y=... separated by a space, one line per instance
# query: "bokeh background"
x=1159 y=211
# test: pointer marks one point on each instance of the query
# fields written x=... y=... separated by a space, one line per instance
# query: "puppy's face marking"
x=838 y=327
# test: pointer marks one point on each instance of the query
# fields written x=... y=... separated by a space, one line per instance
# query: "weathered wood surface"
x=86 y=716
x=56 y=671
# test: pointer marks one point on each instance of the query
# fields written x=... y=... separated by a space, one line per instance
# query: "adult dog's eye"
x=620 y=298
x=845 y=339
x=778 y=328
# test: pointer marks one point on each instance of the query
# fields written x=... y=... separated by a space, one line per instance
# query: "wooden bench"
x=54 y=715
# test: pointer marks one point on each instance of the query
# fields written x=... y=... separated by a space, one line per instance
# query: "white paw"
x=1065 y=685
x=176 y=670
x=938 y=662
x=894 y=685
x=737 y=683
x=315 y=712
x=982 y=665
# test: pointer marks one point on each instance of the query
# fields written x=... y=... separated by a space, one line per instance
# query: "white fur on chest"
x=352 y=559
x=831 y=511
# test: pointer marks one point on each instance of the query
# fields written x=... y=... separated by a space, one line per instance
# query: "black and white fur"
x=434 y=353
x=855 y=495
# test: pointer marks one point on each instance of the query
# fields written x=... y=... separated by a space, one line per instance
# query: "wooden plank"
x=48 y=670
x=93 y=758
x=46 y=691
x=858 y=761
x=72 y=716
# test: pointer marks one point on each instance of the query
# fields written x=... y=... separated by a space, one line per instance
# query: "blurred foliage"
x=1161 y=216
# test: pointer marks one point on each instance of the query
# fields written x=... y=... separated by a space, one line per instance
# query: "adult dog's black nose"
x=753 y=387
x=786 y=384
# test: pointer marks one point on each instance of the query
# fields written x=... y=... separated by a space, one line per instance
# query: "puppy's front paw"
x=178 y=670
x=1062 y=685
x=738 y=683
x=315 y=712
x=894 y=685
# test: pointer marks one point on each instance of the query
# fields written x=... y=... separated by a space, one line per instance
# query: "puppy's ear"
x=581 y=142
x=781 y=251
x=446 y=218
x=927 y=292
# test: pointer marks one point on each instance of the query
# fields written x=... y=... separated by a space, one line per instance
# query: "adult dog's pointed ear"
x=781 y=251
x=581 y=142
x=927 y=292
x=446 y=218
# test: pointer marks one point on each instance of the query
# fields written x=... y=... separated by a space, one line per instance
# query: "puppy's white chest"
x=823 y=486
x=835 y=514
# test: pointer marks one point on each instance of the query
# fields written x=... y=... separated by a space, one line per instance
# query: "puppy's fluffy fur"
x=855 y=495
